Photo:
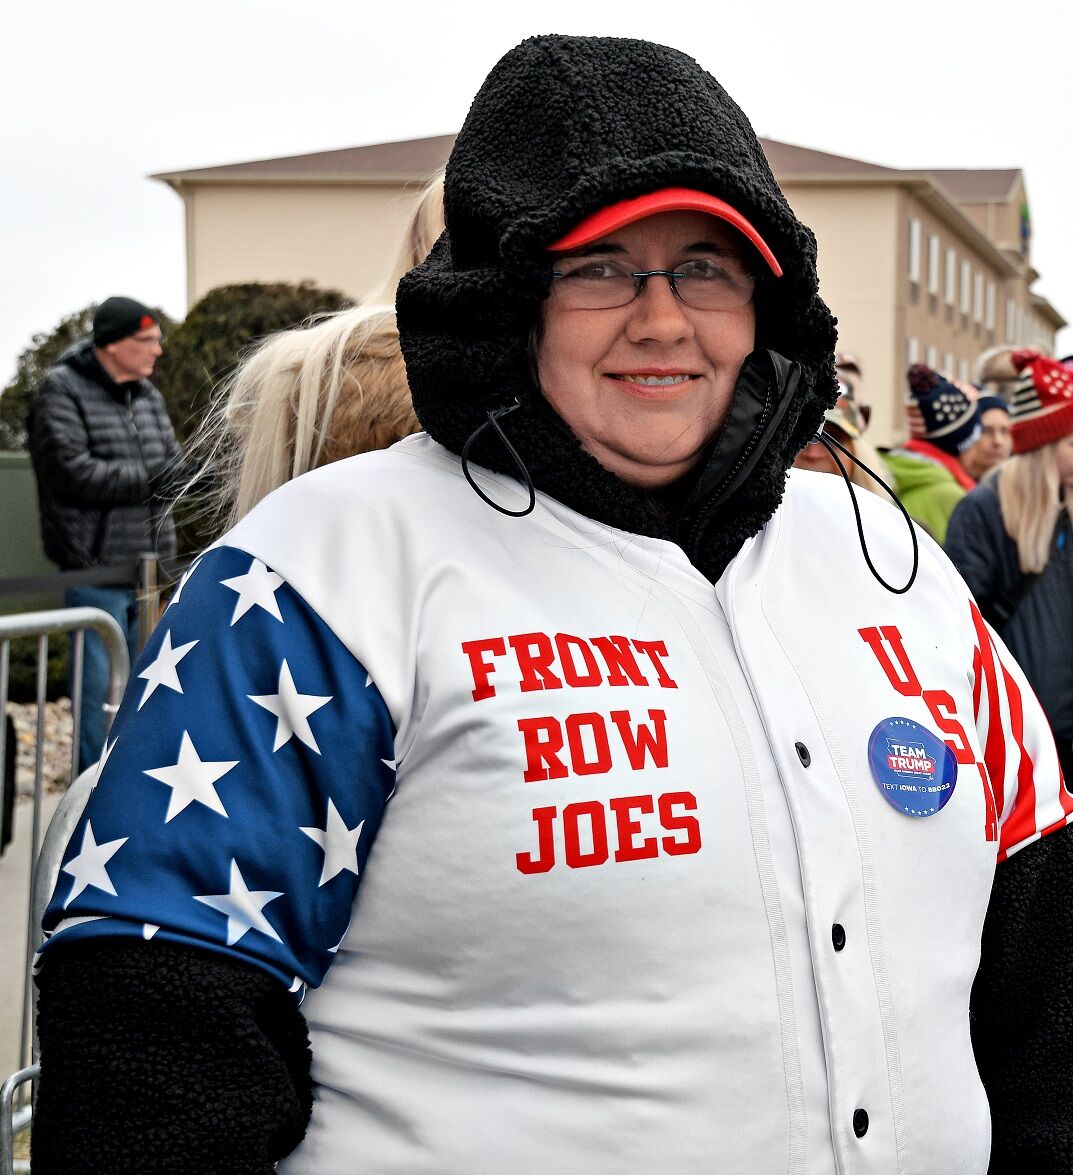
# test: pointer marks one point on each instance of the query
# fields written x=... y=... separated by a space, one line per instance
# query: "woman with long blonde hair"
x=308 y=397
x=1010 y=539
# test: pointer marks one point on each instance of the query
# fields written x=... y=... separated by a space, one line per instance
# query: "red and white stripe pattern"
x=1030 y=795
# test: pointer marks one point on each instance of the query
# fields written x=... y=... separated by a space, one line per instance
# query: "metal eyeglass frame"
x=640 y=280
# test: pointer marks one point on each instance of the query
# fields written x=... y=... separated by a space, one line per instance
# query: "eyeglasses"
x=587 y=283
x=147 y=340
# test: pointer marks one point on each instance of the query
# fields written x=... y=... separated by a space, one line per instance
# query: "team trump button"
x=914 y=771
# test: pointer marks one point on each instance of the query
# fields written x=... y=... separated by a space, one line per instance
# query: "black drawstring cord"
x=493 y=420
x=830 y=444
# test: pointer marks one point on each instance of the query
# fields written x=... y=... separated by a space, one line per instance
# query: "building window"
x=966 y=287
x=978 y=297
x=931 y=357
x=948 y=363
x=914 y=250
x=963 y=370
x=951 y=276
x=933 y=264
x=911 y=351
x=1011 y=321
x=989 y=308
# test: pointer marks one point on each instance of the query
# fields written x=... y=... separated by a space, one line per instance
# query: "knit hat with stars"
x=1041 y=405
x=951 y=419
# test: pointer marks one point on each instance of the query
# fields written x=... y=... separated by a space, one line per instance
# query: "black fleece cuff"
x=161 y=1058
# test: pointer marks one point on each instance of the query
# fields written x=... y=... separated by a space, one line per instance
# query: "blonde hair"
x=305 y=398
x=1029 y=493
x=422 y=232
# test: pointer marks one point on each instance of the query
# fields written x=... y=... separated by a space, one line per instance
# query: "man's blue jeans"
x=121 y=604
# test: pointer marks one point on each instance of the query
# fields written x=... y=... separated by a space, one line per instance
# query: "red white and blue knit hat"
x=951 y=419
x=1041 y=404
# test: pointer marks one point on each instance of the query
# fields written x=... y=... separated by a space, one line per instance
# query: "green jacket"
x=928 y=492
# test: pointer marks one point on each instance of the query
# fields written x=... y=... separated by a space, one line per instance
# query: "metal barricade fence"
x=42 y=625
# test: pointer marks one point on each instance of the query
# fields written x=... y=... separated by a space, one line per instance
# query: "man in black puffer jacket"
x=102 y=446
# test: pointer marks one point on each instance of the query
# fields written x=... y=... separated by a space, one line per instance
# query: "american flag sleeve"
x=241 y=786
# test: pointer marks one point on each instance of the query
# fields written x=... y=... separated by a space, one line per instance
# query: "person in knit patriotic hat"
x=929 y=471
x=1010 y=539
x=993 y=443
x=1041 y=407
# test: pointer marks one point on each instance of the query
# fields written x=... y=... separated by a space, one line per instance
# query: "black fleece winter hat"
x=563 y=127
x=118 y=318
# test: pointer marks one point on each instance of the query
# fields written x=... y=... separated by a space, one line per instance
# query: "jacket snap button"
x=802 y=754
x=838 y=937
x=860 y=1123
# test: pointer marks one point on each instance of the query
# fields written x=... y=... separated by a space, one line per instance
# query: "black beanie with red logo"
x=118 y=318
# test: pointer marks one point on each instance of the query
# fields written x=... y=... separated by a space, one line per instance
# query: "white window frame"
x=948 y=364
x=1011 y=320
x=950 y=292
x=933 y=263
x=963 y=370
x=989 y=307
x=978 y=297
x=912 y=350
x=966 y=287
x=931 y=356
x=914 y=250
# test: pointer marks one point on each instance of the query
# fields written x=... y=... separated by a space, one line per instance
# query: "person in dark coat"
x=1010 y=539
x=102 y=448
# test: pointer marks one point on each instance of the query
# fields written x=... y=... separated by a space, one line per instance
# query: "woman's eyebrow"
x=711 y=247
x=594 y=250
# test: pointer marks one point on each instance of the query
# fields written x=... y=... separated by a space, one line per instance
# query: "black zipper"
x=783 y=382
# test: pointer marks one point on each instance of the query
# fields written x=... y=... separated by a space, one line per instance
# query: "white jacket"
x=638 y=901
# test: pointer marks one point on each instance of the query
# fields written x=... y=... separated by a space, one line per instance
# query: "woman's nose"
x=657 y=313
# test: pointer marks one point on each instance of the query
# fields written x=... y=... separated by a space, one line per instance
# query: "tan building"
x=919 y=266
x=335 y=217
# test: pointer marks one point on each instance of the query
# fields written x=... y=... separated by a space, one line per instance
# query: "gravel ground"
x=56 y=768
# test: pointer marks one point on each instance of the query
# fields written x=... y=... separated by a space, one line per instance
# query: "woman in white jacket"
x=608 y=809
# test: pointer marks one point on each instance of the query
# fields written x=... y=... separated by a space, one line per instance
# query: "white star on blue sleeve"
x=90 y=866
x=292 y=710
x=191 y=780
x=243 y=907
x=164 y=670
x=234 y=809
x=340 y=844
x=256 y=589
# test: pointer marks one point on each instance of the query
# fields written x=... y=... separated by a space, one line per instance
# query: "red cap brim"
x=616 y=216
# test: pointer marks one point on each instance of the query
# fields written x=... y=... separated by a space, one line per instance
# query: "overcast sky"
x=97 y=96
